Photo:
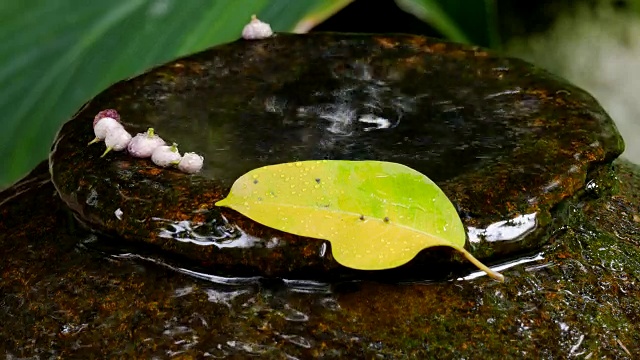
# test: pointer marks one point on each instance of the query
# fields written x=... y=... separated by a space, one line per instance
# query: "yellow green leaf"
x=377 y=215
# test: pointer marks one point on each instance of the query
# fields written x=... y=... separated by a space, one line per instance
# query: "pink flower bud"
x=191 y=163
x=256 y=30
x=103 y=127
x=143 y=144
x=111 y=113
x=116 y=140
x=165 y=156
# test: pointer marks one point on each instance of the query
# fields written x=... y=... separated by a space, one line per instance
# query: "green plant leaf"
x=377 y=215
x=56 y=55
x=467 y=21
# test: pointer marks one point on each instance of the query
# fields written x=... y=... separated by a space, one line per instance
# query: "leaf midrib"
x=407 y=227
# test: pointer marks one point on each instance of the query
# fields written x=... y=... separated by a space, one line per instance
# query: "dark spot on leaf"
x=318 y=180
x=255 y=181
x=362 y=217
x=386 y=219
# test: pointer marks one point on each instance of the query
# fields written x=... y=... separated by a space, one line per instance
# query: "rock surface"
x=68 y=292
x=507 y=142
x=579 y=297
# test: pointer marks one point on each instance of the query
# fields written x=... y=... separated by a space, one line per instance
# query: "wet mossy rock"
x=507 y=142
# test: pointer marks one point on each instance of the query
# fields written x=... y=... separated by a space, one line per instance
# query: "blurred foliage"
x=56 y=55
x=471 y=22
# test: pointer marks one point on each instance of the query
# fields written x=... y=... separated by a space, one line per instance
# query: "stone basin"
x=59 y=297
x=70 y=288
x=507 y=142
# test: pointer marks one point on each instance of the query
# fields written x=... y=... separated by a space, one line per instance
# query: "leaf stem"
x=493 y=274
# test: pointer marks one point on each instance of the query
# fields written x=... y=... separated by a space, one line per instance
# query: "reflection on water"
x=198 y=275
x=507 y=265
x=308 y=286
x=222 y=236
x=506 y=230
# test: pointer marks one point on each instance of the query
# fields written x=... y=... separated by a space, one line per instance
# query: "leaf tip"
x=223 y=202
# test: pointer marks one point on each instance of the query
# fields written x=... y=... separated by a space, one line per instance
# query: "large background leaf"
x=55 y=55
x=467 y=21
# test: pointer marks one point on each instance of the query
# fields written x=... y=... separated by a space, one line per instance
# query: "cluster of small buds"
x=256 y=30
x=107 y=128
